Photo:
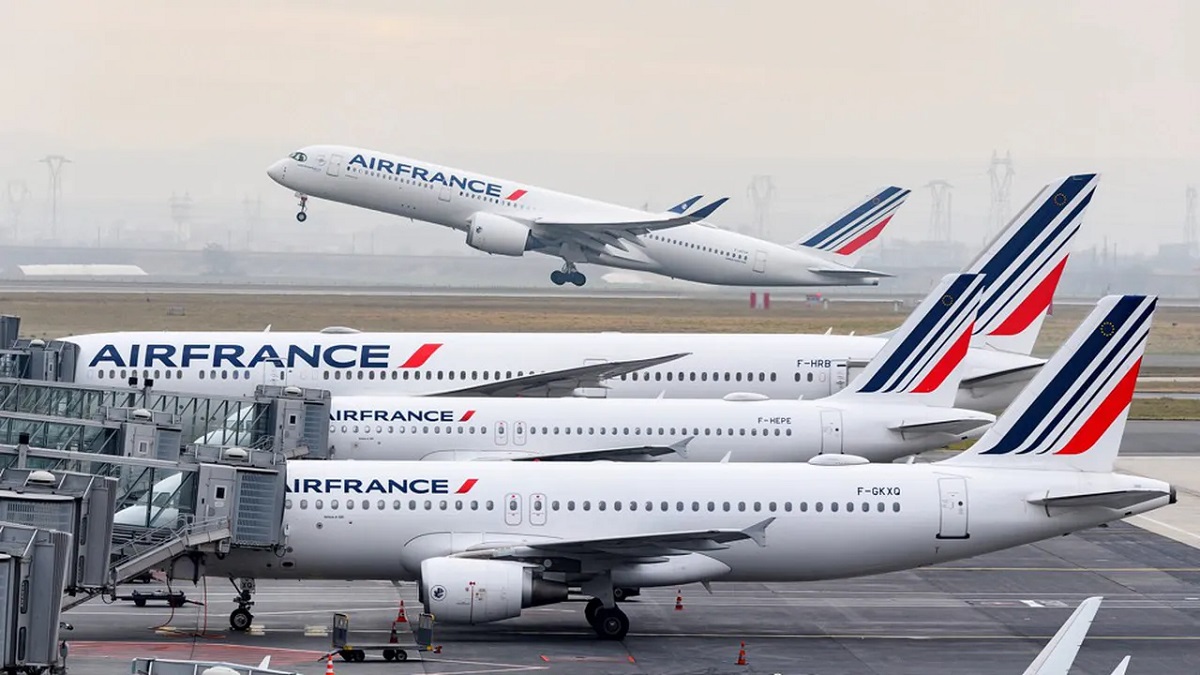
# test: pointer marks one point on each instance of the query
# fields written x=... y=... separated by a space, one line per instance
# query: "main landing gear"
x=240 y=618
x=610 y=623
x=568 y=274
x=302 y=216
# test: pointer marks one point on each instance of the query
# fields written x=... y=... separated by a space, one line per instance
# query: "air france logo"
x=398 y=415
x=420 y=173
x=414 y=486
x=242 y=356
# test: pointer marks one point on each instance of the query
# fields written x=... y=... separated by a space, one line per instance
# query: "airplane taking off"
x=900 y=405
x=485 y=541
x=1021 y=268
x=502 y=217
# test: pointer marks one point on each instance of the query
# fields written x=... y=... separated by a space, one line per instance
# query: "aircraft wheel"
x=558 y=278
x=239 y=619
x=302 y=216
x=589 y=610
x=611 y=623
x=578 y=278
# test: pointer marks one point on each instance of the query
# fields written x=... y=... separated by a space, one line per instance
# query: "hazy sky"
x=625 y=100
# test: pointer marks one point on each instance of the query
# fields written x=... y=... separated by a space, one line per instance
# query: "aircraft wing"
x=848 y=272
x=563 y=382
x=1057 y=657
x=680 y=542
x=627 y=454
x=954 y=426
x=666 y=220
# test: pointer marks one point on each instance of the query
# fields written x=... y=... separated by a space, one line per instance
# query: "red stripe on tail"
x=422 y=355
x=942 y=370
x=1033 y=306
x=864 y=238
x=1105 y=415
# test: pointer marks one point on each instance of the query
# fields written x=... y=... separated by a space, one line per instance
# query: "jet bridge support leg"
x=602 y=612
x=240 y=618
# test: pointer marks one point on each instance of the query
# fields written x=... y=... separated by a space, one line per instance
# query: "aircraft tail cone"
x=741 y=660
x=678 y=601
x=329 y=664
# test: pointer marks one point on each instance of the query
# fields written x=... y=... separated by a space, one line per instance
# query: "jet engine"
x=460 y=590
x=497 y=234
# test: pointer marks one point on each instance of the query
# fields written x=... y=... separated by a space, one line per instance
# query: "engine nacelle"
x=497 y=234
x=460 y=590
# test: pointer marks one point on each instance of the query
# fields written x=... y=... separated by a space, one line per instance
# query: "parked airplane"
x=1021 y=267
x=485 y=541
x=899 y=405
x=506 y=218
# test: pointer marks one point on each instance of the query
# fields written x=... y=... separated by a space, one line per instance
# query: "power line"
x=54 y=163
x=762 y=193
x=17 y=193
x=941 y=214
x=1001 y=173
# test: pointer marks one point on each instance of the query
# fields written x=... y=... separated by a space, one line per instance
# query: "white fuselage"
x=455 y=429
x=830 y=522
x=775 y=365
x=450 y=197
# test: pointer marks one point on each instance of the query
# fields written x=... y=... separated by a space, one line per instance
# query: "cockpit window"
x=299 y=156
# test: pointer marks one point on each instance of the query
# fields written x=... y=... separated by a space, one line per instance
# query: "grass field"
x=1165 y=409
x=49 y=315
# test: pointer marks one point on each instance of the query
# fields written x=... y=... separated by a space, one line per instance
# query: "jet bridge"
x=33 y=569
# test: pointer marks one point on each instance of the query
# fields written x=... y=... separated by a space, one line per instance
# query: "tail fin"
x=860 y=225
x=922 y=356
x=1024 y=262
x=682 y=207
x=1072 y=415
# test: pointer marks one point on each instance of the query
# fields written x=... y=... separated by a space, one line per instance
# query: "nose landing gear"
x=568 y=274
x=302 y=216
x=240 y=618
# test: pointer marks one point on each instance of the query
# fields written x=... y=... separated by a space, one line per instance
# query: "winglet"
x=683 y=206
x=1122 y=666
x=266 y=663
x=1058 y=655
x=758 y=531
x=706 y=211
x=680 y=447
x=725 y=459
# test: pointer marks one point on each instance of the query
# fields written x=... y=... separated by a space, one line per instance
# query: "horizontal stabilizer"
x=956 y=427
x=628 y=454
x=1113 y=499
x=846 y=272
x=1001 y=378
x=557 y=383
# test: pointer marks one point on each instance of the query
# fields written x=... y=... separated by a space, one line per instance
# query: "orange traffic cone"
x=678 y=600
x=329 y=664
x=401 y=617
x=741 y=661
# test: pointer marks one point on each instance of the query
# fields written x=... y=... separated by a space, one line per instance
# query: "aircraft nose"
x=277 y=171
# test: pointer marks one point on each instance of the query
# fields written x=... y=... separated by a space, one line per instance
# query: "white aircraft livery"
x=900 y=405
x=1021 y=268
x=502 y=217
x=485 y=541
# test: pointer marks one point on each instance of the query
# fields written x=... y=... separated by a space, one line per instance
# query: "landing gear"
x=620 y=594
x=610 y=623
x=568 y=274
x=302 y=216
x=240 y=618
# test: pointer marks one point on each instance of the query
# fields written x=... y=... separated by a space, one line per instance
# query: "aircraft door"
x=831 y=432
x=537 y=509
x=518 y=433
x=512 y=509
x=760 y=261
x=501 y=432
x=444 y=195
x=953 y=493
x=335 y=166
x=592 y=392
x=839 y=376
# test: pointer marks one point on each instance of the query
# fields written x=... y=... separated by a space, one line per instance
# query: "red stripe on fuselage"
x=467 y=415
x=1033 y=305
x=420 y=356
x=466 y=486
x=517 y=194
x=864 y=238
x=1105 y=415
x=942 y=370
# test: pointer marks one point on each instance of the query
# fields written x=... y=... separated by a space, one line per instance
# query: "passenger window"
x=587 y=505
x=803 y=507
x=349 y=504
x=318 y=504
x=771 y=507
x=820 y=506
x=787 y=506
x=616 y=506
x=333 y=504
x=602 y=505
x=896 y=507
x=303 y=504
x=712 y=506
x=570 y=505
x=833 y=506
x=395 y=505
